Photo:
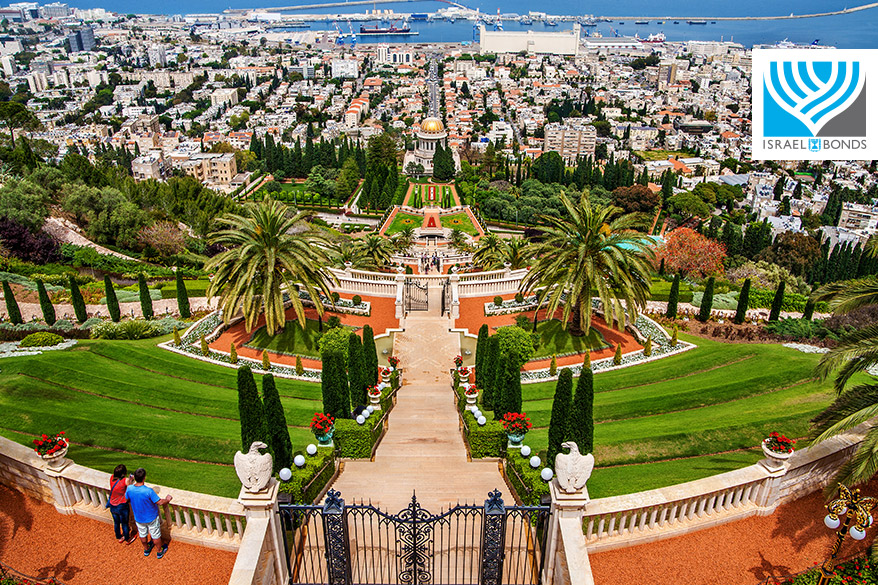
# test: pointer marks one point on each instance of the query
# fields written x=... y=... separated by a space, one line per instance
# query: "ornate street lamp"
x=855 y=508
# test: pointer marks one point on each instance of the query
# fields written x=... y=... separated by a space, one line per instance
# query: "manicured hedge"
x=356 y=441
x=486 y=441
x=41 y=339
x=307 y=482
x=526 y=480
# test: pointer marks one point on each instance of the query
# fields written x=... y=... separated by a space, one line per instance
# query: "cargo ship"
x=390 y=30
x=696 y=22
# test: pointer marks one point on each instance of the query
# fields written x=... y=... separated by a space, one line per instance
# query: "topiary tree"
x=777 y=303
x=647 y=347
x=706 y=301
x=560 y=414
x=481 y=348
x=182 y=297
x=673 y=298
x=12 y=310
x=266 y=363
x=370 y=357
x=334 y=384
x=205 y=348
x=509 y=385
x=45 y=303
x=145 y=299
x=112 y=301
x=299 y=368
x=177 y=341
x=553 y=366
x=617 y=357
x=233 y=353
x=743 y=301
x=356 y=378
x=809 y=310
x=276 y=425
x=580 y=426
x=492 y=356
x=514 y=339
x=77 y=301
x=661 y=269
x=674 y=338
x=250 y=410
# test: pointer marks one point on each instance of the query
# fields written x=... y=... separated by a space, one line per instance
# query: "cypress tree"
x=250 y=410
x=809 y=310
x=511 y=383
x=706 y=301
x=45 y=303
x=300 y=369
x=674 y=338
x=647 y=347
x=581 y=422
x=743 y=301
x=560 y=413
x=370 y=357
x=673 y=298
x=177 y=341
x=276 y=425
x=266 y=363
x=12 y=310
x=334 y=384
x=617 y=357
x=777 y=303
x=145 y=299
x=481 y=348
x=661 y=269
x=233 y=353
x=356 y=379
x=113 y=302
x=183 y=294
x=77 y=300
x=491 y=358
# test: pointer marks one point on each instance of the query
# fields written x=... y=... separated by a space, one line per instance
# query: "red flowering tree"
x=689 y=252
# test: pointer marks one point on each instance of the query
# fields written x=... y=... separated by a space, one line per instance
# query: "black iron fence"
x=338 y=544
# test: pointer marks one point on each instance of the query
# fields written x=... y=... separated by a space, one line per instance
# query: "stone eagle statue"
x=254 y=468
x=572 y=470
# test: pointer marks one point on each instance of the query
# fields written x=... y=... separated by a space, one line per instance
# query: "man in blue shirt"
x=145 y=505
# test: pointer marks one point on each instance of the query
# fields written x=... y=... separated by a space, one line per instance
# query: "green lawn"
x=460 y=221
x=293 y=340
x=699 y=405
x=555 y=340
x=402 y=221
x=132 y=396
x=650 y=155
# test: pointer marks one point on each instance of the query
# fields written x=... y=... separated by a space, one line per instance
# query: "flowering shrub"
x=393 y=361
x=471 y=391
x=516 y=423
x=321 y=423
x=374 y=391
x=458 y=360
x=47 y=445
x=779 y=443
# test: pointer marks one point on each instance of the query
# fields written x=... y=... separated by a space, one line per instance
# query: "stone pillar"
x=263 y=505
x=62 y=492
x=565 y=545
x=455 y=293
x=507 y=267
x=769 y=491
x=400 y=292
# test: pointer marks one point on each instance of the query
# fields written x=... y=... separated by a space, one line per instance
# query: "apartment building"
x=211 y=168
x=570 y=140
x=147 y=167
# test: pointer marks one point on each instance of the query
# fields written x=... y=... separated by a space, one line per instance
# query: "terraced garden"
x=131 y=402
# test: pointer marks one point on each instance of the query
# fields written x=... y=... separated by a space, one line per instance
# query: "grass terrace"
x=652 y=155
x=402 y=221
x=556 y=340
x=459 y=221
x=293 y=340
x=134 y=403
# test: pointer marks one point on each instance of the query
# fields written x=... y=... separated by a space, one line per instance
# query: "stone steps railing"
x=191 y=517
x=631 y=519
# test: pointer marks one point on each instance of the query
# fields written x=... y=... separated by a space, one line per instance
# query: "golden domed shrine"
x=430 y=132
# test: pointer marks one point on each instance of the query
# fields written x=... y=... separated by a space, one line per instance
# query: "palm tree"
x=488 y=252
x=595 y=250
x=856 y=352
x=516 y=252
x=376 y=249
x=268 y=253
x=348 y=251
x=404 y=240
x=458 y=240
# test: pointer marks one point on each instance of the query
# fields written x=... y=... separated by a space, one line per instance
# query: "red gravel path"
x=382 y=319
x=791 y=540
x=38 y=541
x=472 y=316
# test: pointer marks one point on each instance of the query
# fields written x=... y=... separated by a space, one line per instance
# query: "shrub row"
x=525 y=480
x=356 y=441
x=483 y=441
x=10 y=332
x=308 y=481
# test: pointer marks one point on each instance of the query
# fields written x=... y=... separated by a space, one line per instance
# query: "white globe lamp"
x=525 y=451
x=299 y=460
x=547 y=474
x=285 y=474
x=360 y=419
x=482 y=421
x=535 y=461
x=311 y=449
x=832 y=522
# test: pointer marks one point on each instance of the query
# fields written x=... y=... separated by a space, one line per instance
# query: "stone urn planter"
x=57 y=460
x=472 y=397
x=385 y=375
x=774 y=460
x=515 y=440
x=463 y=372
x=325 y=439
x=375 y=400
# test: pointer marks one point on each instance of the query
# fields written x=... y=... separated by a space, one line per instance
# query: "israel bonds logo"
x=811 y=104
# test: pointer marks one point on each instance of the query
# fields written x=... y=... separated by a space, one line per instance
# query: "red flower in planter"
x=516 y=423
x=458 y=361
x=321 y=423
x=50 y=445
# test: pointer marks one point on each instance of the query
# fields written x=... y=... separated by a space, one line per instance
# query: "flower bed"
x=511 y=306
x=14 y=349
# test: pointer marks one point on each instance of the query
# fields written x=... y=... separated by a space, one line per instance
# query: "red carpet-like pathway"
x=38 y=541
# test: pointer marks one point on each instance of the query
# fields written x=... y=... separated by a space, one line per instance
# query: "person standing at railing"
x=118 y=504
x=145 y=503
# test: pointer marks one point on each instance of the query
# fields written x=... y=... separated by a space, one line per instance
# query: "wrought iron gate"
x=337 y=544
x=446 y=297
x=416 y=296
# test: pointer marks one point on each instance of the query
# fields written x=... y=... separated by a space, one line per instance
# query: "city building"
x=8 y=64
x=55 y=10
x=81 y=40
x=355 y=113
x=225 y=96
x=211 y=168
x=150 y=166
x=37 y=82
x=345 y=68
x=430 y=133
x=570 y=140
x=530 y=41
x=157 y=56
x=394 y=55
x=858 y=217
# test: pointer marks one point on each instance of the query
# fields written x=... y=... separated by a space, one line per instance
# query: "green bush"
x=356 y=441
x=308 y=482
x=498 y=300
x=334 y=322
x=513 y=338
x=335 y=339
x=525 y=480
x=486 y=441
x=41 y=339
x=761 y=298
x=130 y=329
x=519 y=298
x=194 y=288
x=357 y=300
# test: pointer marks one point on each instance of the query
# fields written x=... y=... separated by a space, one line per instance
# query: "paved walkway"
x=423 y=450
x=38 y=541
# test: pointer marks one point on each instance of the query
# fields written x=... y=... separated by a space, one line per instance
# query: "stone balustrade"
x=190 y=517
